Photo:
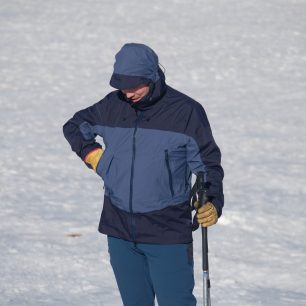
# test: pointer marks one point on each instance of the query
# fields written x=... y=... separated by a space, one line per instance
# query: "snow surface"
x=245 y=61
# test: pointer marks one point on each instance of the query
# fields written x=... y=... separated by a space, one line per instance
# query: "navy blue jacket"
x=150 y=153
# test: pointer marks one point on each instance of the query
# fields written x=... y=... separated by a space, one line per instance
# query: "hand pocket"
x=104 y=164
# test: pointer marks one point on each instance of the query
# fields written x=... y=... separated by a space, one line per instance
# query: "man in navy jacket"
x=155 y=137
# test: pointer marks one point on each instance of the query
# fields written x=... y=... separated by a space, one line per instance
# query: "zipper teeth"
x=131 y=186
x=132 y=177
x=132 y=172
x=169 y=172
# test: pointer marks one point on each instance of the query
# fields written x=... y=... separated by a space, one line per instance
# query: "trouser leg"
x=171 y=271
x=131 y=271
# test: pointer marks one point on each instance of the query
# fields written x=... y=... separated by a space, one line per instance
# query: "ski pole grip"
x=202 y=188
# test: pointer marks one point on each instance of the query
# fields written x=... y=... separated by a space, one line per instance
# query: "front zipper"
x=169 y=172
x=132 y=177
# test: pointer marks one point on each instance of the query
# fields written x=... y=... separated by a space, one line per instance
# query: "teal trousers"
x=144 y=271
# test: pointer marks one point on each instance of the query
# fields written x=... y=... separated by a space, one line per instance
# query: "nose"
x=129 y=94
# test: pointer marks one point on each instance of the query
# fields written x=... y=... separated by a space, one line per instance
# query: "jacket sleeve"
x=203 y=154
x=80 y=129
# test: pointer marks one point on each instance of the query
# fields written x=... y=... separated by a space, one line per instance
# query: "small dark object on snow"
x=74 y=235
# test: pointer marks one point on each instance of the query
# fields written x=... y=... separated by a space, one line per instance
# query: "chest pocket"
x=176 y=163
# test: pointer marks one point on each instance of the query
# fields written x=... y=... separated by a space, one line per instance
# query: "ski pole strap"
x=193 y=193
x=199 y=190
x=193 y=199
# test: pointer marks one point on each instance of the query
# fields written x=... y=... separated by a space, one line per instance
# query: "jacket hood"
x=135 y=64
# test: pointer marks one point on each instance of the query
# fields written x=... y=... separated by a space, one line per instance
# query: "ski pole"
x=202 y=194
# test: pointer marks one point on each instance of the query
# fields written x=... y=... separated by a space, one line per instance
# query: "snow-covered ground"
x=245 y=61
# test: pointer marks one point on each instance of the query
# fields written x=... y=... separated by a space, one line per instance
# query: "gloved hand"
x=93 y=158
x=207 y=215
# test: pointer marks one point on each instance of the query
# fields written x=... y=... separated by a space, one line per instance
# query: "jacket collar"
x=156 y=92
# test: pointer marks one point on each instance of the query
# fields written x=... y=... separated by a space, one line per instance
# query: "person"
x=154 y=138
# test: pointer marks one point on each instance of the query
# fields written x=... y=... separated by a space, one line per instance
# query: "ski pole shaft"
x=206 y=280
x=202 y=193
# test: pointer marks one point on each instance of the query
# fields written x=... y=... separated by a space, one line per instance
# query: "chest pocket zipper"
x=169 y=172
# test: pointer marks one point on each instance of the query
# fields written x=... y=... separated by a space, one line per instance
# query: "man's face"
x=137 y=93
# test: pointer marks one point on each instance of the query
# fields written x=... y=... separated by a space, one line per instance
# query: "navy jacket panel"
x=168 y=226
x=78 y=132
x=204 y=155
x=72 y=129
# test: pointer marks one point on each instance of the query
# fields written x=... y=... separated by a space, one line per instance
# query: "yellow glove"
x=207 y=215
x=93 y=157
